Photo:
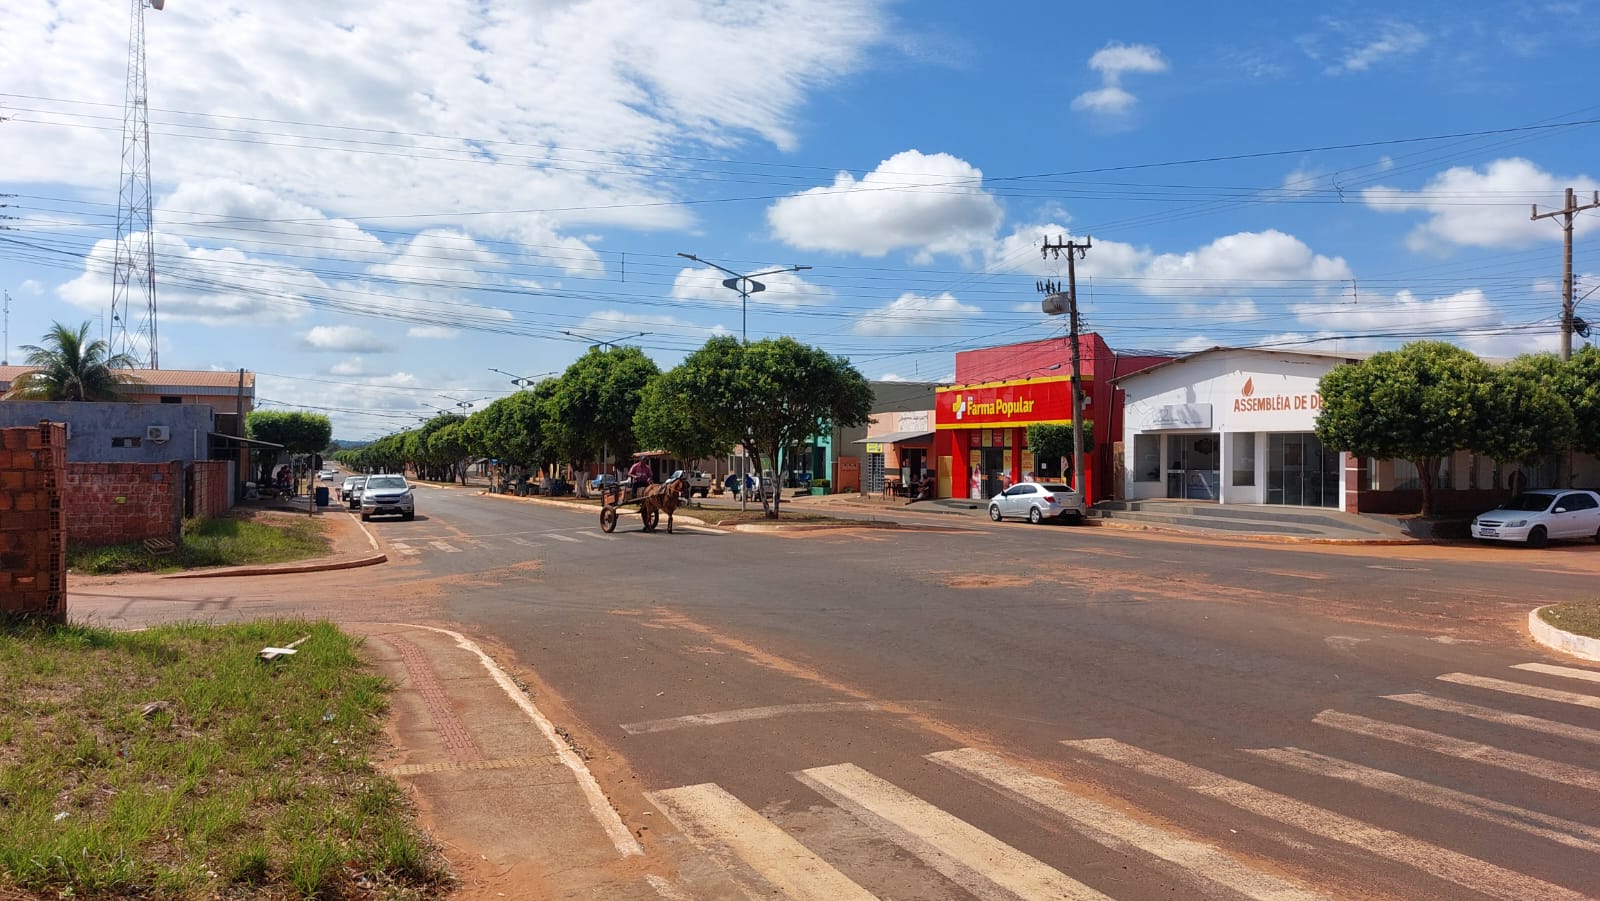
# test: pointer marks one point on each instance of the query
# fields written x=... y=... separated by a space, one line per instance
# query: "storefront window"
x=1147 y=458
x=1244 y=458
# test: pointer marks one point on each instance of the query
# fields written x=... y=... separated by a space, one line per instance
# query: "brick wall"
x=118 y=503
x=210 y=490
x=33 y=541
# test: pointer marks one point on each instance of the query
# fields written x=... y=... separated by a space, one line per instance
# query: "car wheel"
x=1538 y=537
x=1597 y=536
x=1034 y=516
x=994 y=512
x=366 y=517
x=409 y=515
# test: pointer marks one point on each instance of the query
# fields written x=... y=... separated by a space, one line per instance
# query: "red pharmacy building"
x=981 y=422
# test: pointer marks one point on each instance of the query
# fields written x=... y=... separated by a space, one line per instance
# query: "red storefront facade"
x=981 y=423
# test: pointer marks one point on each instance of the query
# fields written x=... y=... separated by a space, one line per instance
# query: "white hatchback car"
x=1038 y=501
x=1535 y=517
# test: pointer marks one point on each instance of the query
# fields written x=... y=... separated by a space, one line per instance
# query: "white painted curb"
x=1576 y=645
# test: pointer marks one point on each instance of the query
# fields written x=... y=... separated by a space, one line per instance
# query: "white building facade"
x=1231 y=426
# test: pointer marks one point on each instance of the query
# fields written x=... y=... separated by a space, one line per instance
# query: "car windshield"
x=390 y=483
x=1530 y=502
x=1053 y=487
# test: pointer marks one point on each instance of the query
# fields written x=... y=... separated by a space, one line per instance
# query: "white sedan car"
x=1038 y=501
x=1535 y=517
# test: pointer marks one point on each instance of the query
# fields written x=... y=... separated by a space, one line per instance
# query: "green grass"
x=244 y=779
x=1579 y=618
x=235 y=540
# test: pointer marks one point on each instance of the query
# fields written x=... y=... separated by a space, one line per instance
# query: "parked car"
x=352 y=491
x=327 y=475
x=387 y=495
x=699 y=482
x=348 y=486
x=1535 y=517
x=1038 y=501
x=603 y=481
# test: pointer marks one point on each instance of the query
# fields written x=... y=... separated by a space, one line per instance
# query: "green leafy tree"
x=1527 y=413
x=1420 y=403
x=589 y=413
x=447 y=447
x=1054 y=442
x=771 y=394
x=1579 y=384
x=669 y=418
x=69 y=366
x=511 y=429
x=297 y=432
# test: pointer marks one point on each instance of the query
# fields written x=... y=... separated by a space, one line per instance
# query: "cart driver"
x=639 y=474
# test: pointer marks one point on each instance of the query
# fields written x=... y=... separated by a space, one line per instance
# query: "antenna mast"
x=133 y=274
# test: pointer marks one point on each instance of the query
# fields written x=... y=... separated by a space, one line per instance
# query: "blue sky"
x=372 y=204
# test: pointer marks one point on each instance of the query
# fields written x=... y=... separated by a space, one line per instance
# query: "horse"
x=662 y=498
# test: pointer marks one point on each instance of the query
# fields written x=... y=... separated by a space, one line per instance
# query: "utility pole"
x=1567 y=213
x=1054 y=304
x=133 y=273
x=5 y=349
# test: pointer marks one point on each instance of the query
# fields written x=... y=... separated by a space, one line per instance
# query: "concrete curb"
x=1562 y=640
x=286 y=569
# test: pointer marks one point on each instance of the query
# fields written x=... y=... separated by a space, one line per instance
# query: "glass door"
x=1194 y=466
x=1301 y=472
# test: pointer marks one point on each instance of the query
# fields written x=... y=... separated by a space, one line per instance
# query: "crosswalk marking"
x=403 y=548
x=1556 y=829
x=518 y=539
x=1569 y=672
x=1527 y=764
x=560 y=537
x=980 y=863
x=1491 y=715
x=1517 y=688
x=1440 y=862
x=1114 y=829
x=719 y=823
x=444 y=546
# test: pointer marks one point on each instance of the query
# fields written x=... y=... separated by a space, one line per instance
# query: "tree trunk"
x=1425 y=469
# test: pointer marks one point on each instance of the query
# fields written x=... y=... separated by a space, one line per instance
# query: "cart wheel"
x=651 y=518
x=608 y=519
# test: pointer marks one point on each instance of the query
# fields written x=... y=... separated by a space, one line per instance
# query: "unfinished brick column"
x=33 y=532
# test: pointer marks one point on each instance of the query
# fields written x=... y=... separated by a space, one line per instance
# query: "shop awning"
x=894 y=437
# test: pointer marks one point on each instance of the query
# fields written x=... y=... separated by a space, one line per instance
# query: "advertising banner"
x=1007 y=404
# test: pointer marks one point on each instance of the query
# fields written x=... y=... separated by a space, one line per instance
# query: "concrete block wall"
x=33 y=538
x=210 y=488
x=119 y=503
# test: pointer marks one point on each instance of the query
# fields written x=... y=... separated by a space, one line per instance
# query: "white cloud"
x=252 y=218
x=915 y=314
x=1488 y=207
x=928 y=203
x=1393 y=39
x=430 y=331
x=31 y=287
x=199 y=284
x=1240 y=262
x=615 y=323
x=1111 y=102
x=345 y=339
x=351 y=366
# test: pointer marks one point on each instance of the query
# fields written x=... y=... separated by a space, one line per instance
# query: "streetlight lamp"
x=746 y=285
x=599 y=343
x=523 y=381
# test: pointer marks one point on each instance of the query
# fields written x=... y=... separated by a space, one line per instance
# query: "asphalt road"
x=1046 y=711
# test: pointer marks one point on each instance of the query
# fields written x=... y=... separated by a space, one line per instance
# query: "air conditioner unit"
x=157 y=433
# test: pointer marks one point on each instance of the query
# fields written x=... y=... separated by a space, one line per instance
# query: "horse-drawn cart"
x=651 y=504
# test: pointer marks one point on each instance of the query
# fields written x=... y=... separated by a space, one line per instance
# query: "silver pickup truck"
x=699 y=482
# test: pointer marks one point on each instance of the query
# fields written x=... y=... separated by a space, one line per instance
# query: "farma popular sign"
x=1019 y=403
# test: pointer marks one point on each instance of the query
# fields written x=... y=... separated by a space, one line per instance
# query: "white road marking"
x=444 y=546
x=978 y=862
x=518 y=539
x=1118 y=831
x=567 y=538
x=1435 y=860
x=1527 y=764
x=1556 y=829
x=599 y=806
x=1570 y=672
x=722 y=825
x=748 y=713
x=1517 y=688
x=1491 y=715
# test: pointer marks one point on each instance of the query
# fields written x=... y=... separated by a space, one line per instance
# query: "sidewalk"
x=352 y=545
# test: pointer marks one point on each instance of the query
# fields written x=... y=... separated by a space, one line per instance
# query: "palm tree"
x=71 y=367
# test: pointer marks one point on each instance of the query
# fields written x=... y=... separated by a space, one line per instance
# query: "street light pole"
x=746 y=285
x=523 y=382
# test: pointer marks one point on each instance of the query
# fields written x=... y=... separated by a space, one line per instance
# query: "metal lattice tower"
x=133 y=275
